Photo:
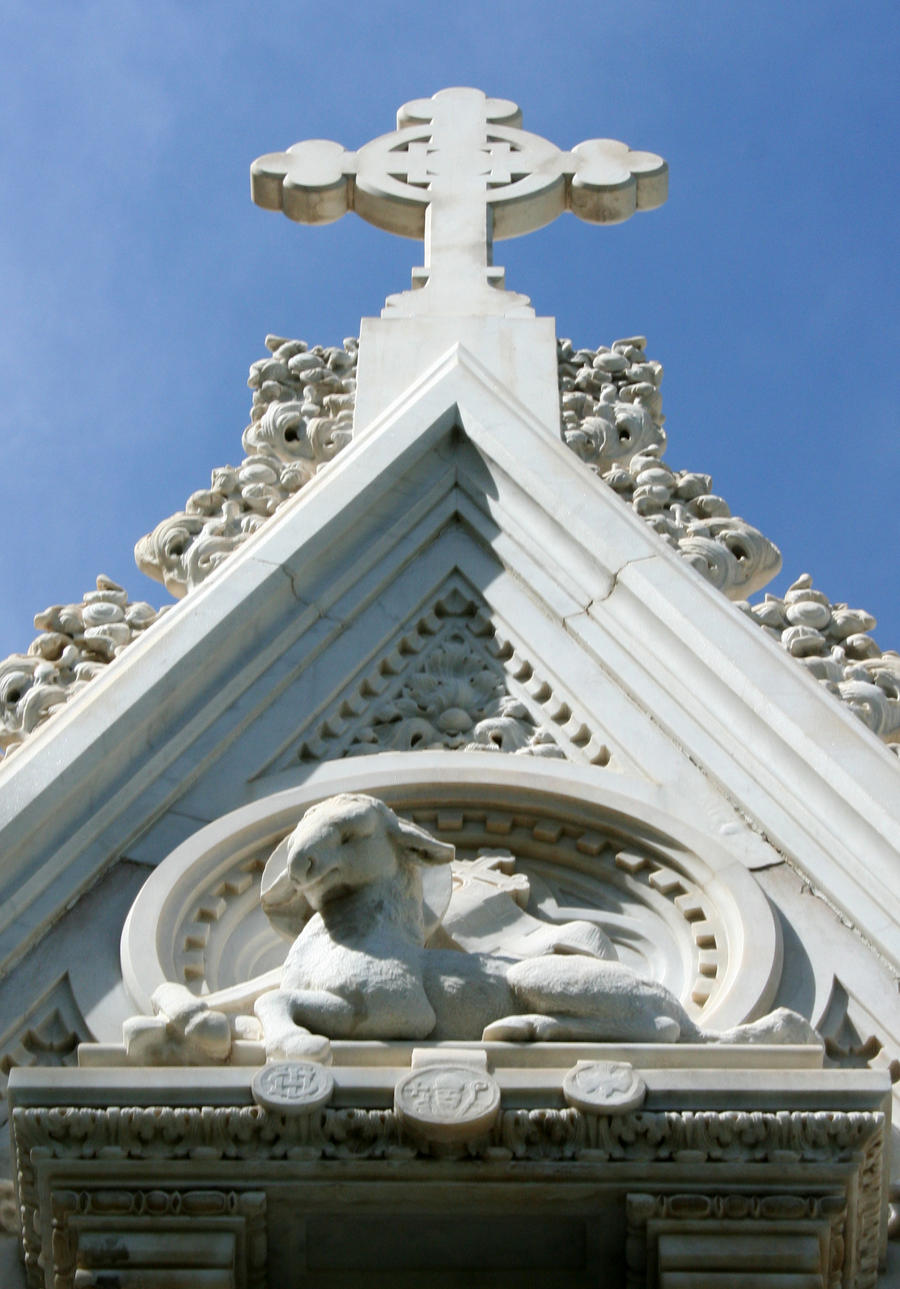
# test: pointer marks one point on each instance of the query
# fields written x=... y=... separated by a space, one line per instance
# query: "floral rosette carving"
x=455 y=700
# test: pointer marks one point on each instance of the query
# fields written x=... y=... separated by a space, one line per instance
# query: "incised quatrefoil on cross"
x=459 y=172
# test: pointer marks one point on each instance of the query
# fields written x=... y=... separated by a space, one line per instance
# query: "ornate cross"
x=459 y=172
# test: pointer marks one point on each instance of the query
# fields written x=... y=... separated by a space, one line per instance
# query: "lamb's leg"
x=532 y=1027
x=293 y=1022
x=584 y=999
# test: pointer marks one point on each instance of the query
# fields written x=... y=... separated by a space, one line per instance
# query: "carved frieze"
x=254 y=1133
x=85 y=1204
x=84 y=1200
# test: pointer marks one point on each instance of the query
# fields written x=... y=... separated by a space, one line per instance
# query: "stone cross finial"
x=459 y=172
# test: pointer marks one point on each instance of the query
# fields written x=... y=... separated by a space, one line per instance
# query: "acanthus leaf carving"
x=253 y=1133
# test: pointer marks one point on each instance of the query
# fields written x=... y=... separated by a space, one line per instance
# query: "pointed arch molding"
x=676 y=904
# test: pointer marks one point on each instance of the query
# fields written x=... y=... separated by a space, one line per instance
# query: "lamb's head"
x=350 y=841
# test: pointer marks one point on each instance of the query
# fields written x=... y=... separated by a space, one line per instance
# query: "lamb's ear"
x=420 y=845
x=286 y=908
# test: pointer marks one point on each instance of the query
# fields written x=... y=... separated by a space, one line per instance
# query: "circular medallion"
x=292 y=1087
x=604 y=1087
x=678 y=908
x=447 y=1102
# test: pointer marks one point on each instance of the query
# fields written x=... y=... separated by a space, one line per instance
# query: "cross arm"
x=312 y=182
x=607 y=182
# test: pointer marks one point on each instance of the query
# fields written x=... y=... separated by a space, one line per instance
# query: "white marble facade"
x=463 y=834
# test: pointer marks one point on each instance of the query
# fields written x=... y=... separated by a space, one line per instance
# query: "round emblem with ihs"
x=447 y=1102
x=292 y=1087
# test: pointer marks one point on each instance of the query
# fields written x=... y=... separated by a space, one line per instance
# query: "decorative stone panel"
x=451 y=680
x=703 y=1241
x=91 y=1211
x=132 y=1239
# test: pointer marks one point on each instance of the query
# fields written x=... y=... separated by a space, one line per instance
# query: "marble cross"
x=459 y=172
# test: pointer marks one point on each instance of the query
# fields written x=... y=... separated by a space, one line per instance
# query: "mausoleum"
x=474 y=877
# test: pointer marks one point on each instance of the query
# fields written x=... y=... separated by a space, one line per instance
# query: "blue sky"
x=137 y=280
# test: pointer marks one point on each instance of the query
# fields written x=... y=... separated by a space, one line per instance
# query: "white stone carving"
x=451 y=680
x=348 y=882
x=832 y=642
x=555 y=834
x=604 y=1087
x=459 y=172
x=292 y=1087
x=75 y=644
x=612 y=418
x=611 y=412
x=46 y=1033
x=302 y=415
x=486 y=914
x=154 y=1237
x=59 y=1144
x=247 y=1132
x=9 y=1209
x=184 y=1030
x=749 y=1239
x=446 y=1103
x=359 y=967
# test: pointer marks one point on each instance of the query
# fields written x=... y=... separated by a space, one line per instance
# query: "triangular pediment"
x=213 y=705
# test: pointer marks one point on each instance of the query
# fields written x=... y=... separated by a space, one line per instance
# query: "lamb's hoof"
x=300 y=1047
x=665 y=1030
x=780 y=1026
x=513 y=1029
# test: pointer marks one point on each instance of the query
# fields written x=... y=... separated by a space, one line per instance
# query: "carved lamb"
x=360 y=969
